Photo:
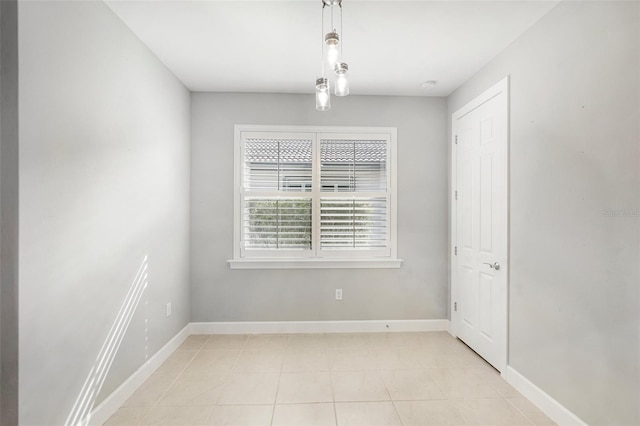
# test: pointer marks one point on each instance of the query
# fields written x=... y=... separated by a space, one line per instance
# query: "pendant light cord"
x=341 y=34
x=332 y=27
x=322 y=40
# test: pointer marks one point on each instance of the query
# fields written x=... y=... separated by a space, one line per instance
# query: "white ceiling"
x=274 y=46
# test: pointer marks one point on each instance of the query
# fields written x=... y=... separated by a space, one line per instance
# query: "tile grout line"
x=275 y=398
x=213 y=406
x=226 y=375
x=333 y=396
x=386 y=388
x=176 y=379
x=231 y=370
x=519 y=410
x=155 y=405
x=393 y=402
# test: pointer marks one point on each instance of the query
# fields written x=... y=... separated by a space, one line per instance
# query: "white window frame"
x=315 y=258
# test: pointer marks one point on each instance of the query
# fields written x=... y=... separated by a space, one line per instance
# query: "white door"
x=479 y=225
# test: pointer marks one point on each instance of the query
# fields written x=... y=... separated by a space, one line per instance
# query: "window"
x=314 y=197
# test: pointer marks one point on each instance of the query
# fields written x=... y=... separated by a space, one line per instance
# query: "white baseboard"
x=268 y=327
x=110 y=405
x=552 y=408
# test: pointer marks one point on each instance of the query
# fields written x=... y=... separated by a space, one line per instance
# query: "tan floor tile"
x=193 y=342
x=249 y=388
x=422 y=356
x=485 y=373
x=366 y=413
x=533 y=413
x=345 y=341
x=191 y=390
x=259 y=362
x=353 y=386
x=307 y=342
x=305 y=387
x=465 y=383
x=491 y=411
x=269 y=342
x=304 y=414
x=427 y=413
x=127 y=416
x=211 y=363
x=218 y=342
x=173 y=416
x=240 y=415
x=443 y=344
x=402 y=358
x=406 y=385
x=451 y=361
x=435 y=338
x=305 y=360
x=150 y=392
x=351 y=360
x=492 y=377
x=405 y=339
x=176 y=363
x=505 y=389
x=475 y=361
x=375 y=340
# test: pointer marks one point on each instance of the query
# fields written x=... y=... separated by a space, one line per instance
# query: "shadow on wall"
x=82 y=408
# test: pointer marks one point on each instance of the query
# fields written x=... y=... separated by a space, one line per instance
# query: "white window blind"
x=353 y=165
x=278 y=164
x=281 y=223
x=353 y=223
x=325 y=195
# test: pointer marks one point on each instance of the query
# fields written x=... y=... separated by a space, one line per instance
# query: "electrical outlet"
x=168 y=309
x=338 y=294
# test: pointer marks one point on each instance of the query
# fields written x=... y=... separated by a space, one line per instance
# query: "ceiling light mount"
x=331 y=3
x=430 y=84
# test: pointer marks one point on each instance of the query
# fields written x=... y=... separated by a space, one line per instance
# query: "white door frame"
x=501 y=87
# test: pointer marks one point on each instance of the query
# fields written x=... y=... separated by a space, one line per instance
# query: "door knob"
x=495 y=266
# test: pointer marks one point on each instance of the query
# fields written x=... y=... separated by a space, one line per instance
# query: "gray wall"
x=574 y=141
x=9 y=212
x=104 y=170
x=418 y=290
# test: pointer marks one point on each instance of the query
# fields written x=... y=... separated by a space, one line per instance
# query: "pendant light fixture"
x=332 y=40
x=332 y=56
x=323 y=94
x=342 y=84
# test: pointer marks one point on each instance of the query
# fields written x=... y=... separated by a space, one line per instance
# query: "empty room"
x=319 y=212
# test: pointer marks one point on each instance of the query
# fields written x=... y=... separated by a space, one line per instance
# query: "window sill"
x=315 y=263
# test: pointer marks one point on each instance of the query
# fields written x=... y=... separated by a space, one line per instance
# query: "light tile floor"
x=326 y=379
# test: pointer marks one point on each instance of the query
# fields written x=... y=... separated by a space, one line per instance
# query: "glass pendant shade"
x=323 y=94
x=332 y=40
x=342 y=83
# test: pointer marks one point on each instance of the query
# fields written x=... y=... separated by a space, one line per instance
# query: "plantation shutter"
x=355 y=223
x=277 y=223
x=353 y=165
x=276 y=203
x=278 y=164
x=354 y=202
